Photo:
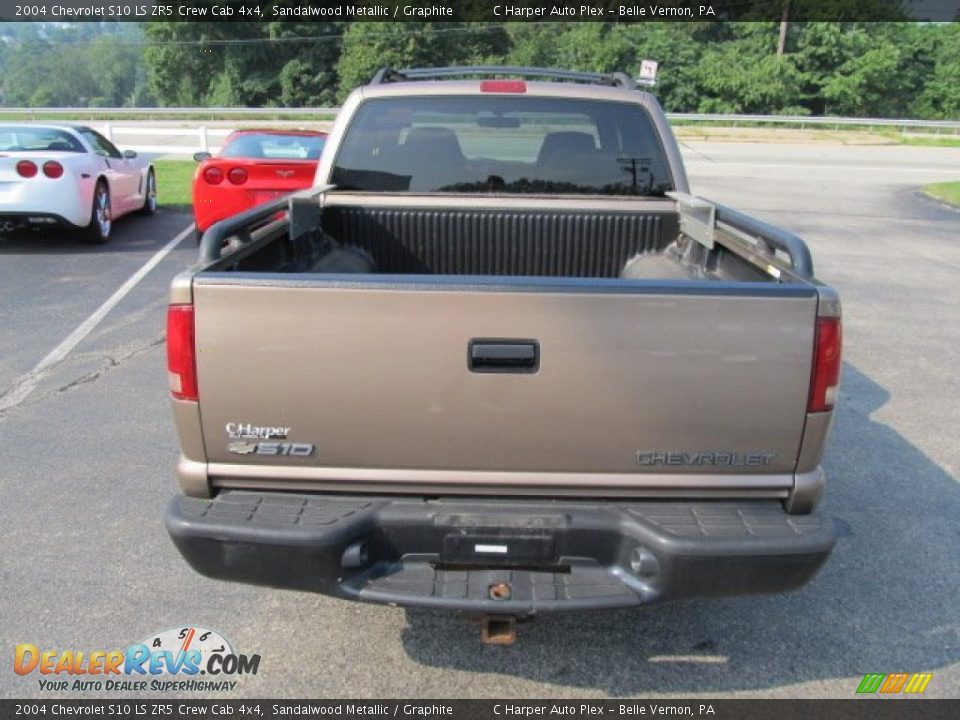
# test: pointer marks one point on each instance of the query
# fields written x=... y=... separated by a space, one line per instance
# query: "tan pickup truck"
x=499 y=359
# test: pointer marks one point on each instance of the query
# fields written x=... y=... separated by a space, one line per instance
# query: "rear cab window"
x=511 y=145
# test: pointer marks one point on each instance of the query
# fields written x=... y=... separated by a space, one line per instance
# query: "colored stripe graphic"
x=918 y=682
x=870 y=683
x=891 y=683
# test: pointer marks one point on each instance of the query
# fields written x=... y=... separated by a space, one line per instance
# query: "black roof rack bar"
x=388 y=75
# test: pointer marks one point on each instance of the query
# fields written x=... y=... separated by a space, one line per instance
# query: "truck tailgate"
x=633 y=383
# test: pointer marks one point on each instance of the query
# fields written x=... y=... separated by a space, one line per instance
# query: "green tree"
x=886 y=69
x=940 y=95
x=181 y=62
x=679 y=49
x=42 y=74
x=252 y=64
x=744 y=75
x=533 y=45
x=368 y=46
x=112 y=67
x=863 y=84
x=865 y=69
x=593 y=47
x=308 y=75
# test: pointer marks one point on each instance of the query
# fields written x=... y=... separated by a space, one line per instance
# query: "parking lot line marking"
x=26 y=384
x=702 y=659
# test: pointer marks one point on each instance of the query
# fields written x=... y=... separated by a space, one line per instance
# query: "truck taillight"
x=825 y=378
x=181 y=359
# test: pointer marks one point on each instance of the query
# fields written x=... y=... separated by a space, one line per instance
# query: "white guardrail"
x=903 y=124
x=81 y=113
x=202 y=134
x=201 y=138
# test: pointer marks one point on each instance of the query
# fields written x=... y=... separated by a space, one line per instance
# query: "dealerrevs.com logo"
x=175 y=660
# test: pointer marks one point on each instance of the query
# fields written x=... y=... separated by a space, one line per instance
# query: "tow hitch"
x=498 y=630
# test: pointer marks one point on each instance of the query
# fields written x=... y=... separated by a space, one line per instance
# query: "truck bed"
x=553 y=239
x=619 y=317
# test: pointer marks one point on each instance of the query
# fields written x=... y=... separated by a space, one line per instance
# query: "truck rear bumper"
x=507 y=558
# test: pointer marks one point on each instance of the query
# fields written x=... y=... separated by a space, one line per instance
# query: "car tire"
x=150 y=199
x=101 y=220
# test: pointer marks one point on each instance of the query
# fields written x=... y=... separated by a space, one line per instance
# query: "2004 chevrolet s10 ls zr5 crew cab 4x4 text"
x=499 y=360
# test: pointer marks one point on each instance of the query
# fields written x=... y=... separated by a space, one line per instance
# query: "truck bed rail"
x=775 y=238
x=307 y=207
x=243 y=224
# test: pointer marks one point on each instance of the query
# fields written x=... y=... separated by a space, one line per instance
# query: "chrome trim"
x=193 y=479
x=499 y=491
x=807 y=491
x=469 y=482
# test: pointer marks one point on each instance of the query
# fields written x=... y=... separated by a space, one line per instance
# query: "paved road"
x=86 y=468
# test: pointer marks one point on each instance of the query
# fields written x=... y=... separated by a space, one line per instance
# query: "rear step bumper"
x=505 y=558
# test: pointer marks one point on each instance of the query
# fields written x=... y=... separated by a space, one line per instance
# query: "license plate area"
x=498 y=550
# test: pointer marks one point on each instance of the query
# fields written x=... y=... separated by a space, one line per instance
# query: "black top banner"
x=626 y=11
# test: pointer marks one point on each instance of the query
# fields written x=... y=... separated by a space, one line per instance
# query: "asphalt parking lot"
x=87 y=455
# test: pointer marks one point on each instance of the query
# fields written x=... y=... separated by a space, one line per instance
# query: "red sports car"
x=253 y=166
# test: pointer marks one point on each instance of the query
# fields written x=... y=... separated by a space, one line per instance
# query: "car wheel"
x=98 y=231
x=150 y=201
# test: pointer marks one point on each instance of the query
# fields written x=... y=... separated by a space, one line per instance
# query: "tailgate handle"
x=503 y=356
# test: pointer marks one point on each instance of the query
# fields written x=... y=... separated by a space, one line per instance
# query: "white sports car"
x=69 y=176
